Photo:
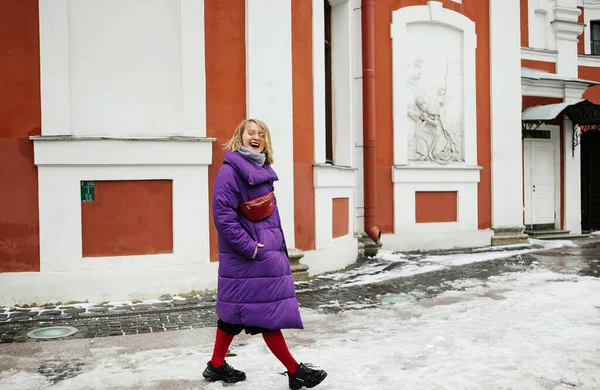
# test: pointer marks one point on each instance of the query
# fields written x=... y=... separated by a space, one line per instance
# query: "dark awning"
x=580 y=112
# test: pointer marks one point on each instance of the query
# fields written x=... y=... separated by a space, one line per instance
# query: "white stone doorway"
x=541 y=176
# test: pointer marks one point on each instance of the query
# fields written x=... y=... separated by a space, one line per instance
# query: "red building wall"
x=477 y=11
x=20 y=117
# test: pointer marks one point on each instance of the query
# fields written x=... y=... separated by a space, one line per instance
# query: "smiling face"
x=252 y=134
x=253 y=138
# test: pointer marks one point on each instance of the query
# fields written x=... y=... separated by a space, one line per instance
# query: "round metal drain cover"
x=52 y=332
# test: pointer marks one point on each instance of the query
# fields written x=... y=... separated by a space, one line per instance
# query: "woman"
x=256 y=290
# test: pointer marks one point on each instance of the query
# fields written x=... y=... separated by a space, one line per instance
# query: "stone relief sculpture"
x=432 y=140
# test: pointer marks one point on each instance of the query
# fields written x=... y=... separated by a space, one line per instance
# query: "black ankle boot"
x=224 y=373
x=306 y=377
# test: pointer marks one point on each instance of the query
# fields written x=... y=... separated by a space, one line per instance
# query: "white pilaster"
x=269 y=91
x=567 y=30
x=54 y=67
x=193 y=68
x=505 y=64
x=318 y=61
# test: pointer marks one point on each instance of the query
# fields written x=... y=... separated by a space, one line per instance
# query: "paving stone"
x=179 y=302
x=99 y=309
x=3 y=317
x=142 y=306
x=162 y=304
x=50 y=312
x=44 y=318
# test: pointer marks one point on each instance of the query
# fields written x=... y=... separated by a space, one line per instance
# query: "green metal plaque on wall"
x=87 y=191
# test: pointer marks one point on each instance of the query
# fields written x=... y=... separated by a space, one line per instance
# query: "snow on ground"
x=415 y=264
x=531 y=330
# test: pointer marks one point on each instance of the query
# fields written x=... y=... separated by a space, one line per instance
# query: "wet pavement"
x=368 y=283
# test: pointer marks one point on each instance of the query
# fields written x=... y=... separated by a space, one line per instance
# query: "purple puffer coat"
x=255 y=292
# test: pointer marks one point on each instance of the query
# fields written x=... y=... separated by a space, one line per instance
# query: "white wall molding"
x=114 y=152
x=402 y=174
x=539 y=55
x=341 y=253
x=589 y=61
x=326 y=175
x=448 y=239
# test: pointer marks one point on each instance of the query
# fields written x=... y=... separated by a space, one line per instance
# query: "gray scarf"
x=258 y=158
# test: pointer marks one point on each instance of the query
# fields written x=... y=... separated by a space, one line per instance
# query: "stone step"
x=546 y=232
x=510 y=239
x=568 y=236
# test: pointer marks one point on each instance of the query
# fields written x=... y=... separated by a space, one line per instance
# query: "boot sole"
x=310 y=385
x=217 y=378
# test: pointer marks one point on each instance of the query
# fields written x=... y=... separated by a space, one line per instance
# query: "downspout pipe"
x=369 y=134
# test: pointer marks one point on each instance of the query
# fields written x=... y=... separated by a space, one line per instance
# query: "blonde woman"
x=256 y=290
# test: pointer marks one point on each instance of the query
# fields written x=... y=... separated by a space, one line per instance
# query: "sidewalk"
x=364 y=285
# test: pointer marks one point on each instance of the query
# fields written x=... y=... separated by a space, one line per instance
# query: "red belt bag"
x=259 y=208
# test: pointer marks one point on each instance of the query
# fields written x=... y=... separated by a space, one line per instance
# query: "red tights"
x=274 y=341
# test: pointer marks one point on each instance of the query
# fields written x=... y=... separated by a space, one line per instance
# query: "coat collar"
x=253 y=173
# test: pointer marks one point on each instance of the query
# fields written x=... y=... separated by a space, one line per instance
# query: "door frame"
x=555 y=140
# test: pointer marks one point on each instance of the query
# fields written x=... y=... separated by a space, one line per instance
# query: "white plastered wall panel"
x=332 y=182
x=62 y=165
x=107 y=71
x=540 y=16
x=269 y=92
x=423 y=72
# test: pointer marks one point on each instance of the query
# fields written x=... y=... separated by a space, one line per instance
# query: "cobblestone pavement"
x=363 y=285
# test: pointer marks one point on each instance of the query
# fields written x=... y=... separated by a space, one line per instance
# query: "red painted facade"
x=128 y=218
x=19 y=118
x=477 y=11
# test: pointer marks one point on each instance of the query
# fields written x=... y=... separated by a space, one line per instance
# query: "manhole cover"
x=52 y=332
x=394 y=298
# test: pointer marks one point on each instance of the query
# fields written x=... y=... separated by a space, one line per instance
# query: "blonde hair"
x=235 y=143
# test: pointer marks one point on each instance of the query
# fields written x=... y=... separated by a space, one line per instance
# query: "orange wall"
x=476 y=10
x=19 y=118
x=590 y=73
x=549 y=67
x=225 y=34
x=128 y=218
x=524 y=24
x=340 y=217
x=436 y=207
x=304 y=202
